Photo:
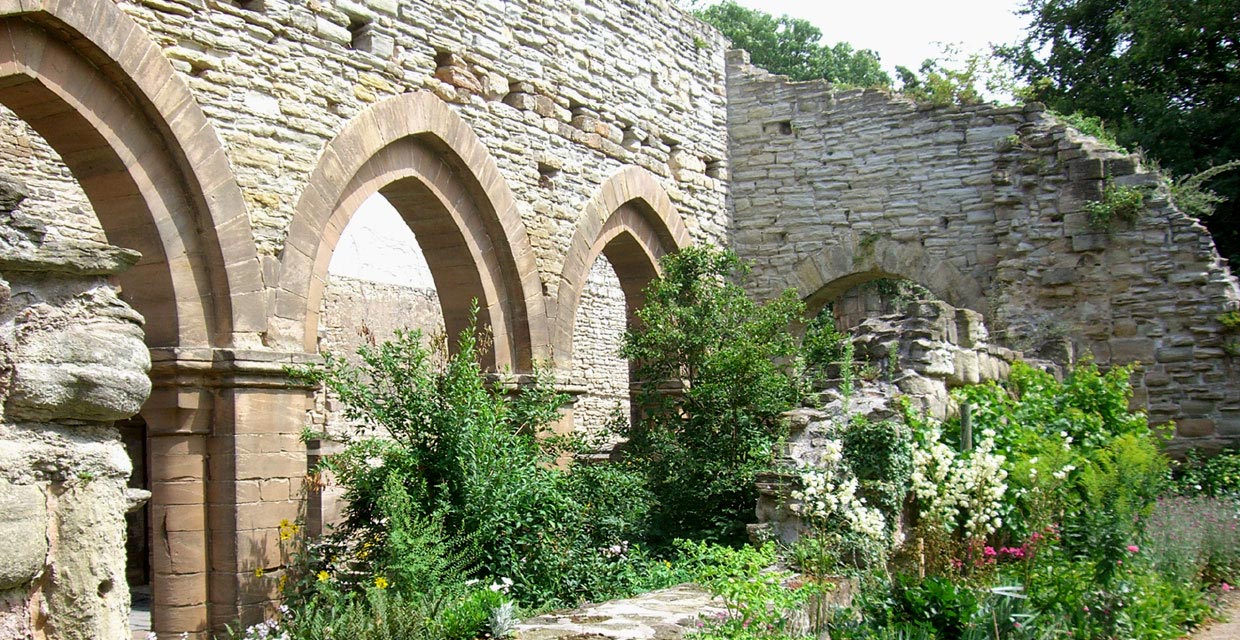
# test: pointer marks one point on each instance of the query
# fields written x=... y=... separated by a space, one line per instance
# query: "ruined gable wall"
x=983 y=206
x=580 y=88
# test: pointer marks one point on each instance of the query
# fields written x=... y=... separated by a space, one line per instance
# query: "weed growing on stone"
x=1119 y=203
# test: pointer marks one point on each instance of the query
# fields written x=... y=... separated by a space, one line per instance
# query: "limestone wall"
x=72 y=361
x=362 y=312
x=983 y=206
x=562 y=94
x=597 y=364
x=52 y=195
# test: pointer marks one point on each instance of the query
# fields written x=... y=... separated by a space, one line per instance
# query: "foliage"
x=959 y=491
x=1090 y=126
x=1119 y=203
x=843 y=529
x=715 y=371
x=823 y=344
x=1093 y=549
x=792 y=47
x=1195 y=539
x=464 y=484
x=759 y=602
x=943 y=605
x=1190 y=194
x=880 y=455
x=1163 y=75
x=1114 y=494
x=380 y=613
x=941 y=83
x=1216 y=476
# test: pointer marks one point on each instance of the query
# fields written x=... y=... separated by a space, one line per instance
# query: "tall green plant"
x=467 y=458
x=716 y=370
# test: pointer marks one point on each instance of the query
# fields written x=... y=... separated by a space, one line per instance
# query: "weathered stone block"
x=23 y=527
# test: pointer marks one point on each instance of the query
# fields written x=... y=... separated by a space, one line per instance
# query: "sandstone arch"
x=630 y=220
x=824 y=276
x=97 y=89
x=92 y=83
x=427 y=162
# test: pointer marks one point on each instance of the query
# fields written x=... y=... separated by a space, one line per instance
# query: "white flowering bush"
x=960 y=491
x=843 y=527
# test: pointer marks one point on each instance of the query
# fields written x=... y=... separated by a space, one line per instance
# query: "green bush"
x=715 y=371
x=760 y=603
x=1214 y=476
x=464 y=484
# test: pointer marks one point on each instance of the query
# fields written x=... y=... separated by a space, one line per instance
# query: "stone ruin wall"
x=919 y=354
x=52 y=195
x=72 y=361
x=562 y=95
x=983 y=206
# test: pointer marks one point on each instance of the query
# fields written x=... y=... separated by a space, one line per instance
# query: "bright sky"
x=905 y=32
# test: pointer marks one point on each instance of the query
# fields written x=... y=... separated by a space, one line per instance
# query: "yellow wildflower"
x=258 y=573
x=323 y=576
x=381 y=582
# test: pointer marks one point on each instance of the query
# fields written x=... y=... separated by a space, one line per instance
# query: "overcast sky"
x=904 y=32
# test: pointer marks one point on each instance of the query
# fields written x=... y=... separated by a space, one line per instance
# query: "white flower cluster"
x=964 y=491
x=828 y=492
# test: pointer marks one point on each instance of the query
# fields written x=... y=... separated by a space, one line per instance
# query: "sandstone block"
x=23 y=527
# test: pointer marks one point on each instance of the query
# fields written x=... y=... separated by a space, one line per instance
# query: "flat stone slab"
x=665 y=614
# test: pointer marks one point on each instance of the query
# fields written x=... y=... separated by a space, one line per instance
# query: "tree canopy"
x=792 y=47
x=1163 y=75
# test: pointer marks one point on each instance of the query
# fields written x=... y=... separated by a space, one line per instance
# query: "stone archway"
x=823 y=277
x=94 y=86
x=426 y=161
x=631 y=222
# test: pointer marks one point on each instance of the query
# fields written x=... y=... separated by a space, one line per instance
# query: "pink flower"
x=1133 y=548
x=1227 y=587
x=989 y=551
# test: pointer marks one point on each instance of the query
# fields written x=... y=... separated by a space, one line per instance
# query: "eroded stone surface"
x=659 y=615
x=23 y=527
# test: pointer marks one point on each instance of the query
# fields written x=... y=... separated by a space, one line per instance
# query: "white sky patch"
x=378 y=246
x=905 y=32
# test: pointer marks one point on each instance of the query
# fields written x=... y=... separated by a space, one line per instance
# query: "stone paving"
x=658 y=615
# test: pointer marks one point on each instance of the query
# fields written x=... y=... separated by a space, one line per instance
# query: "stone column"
x=72 y=361
x=227 y=466
x=258 y=468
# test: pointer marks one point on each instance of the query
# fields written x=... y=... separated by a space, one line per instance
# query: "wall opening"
x=598 y=332
x=378 y=281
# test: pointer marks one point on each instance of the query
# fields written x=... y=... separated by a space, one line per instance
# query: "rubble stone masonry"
x=178 y=174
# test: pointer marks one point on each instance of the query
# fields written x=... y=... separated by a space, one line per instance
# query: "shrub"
x=716 y=370
x=465 y=461
x=761 y=603
x=1195 y=539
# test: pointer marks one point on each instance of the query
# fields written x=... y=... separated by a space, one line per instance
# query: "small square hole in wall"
x=547 y=175
x=360 y=28
x=781 y=127
x=715 y=168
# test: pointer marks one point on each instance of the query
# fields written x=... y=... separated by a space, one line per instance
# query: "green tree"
x=716 y=370
x=1164 y=75
x=792 y=47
